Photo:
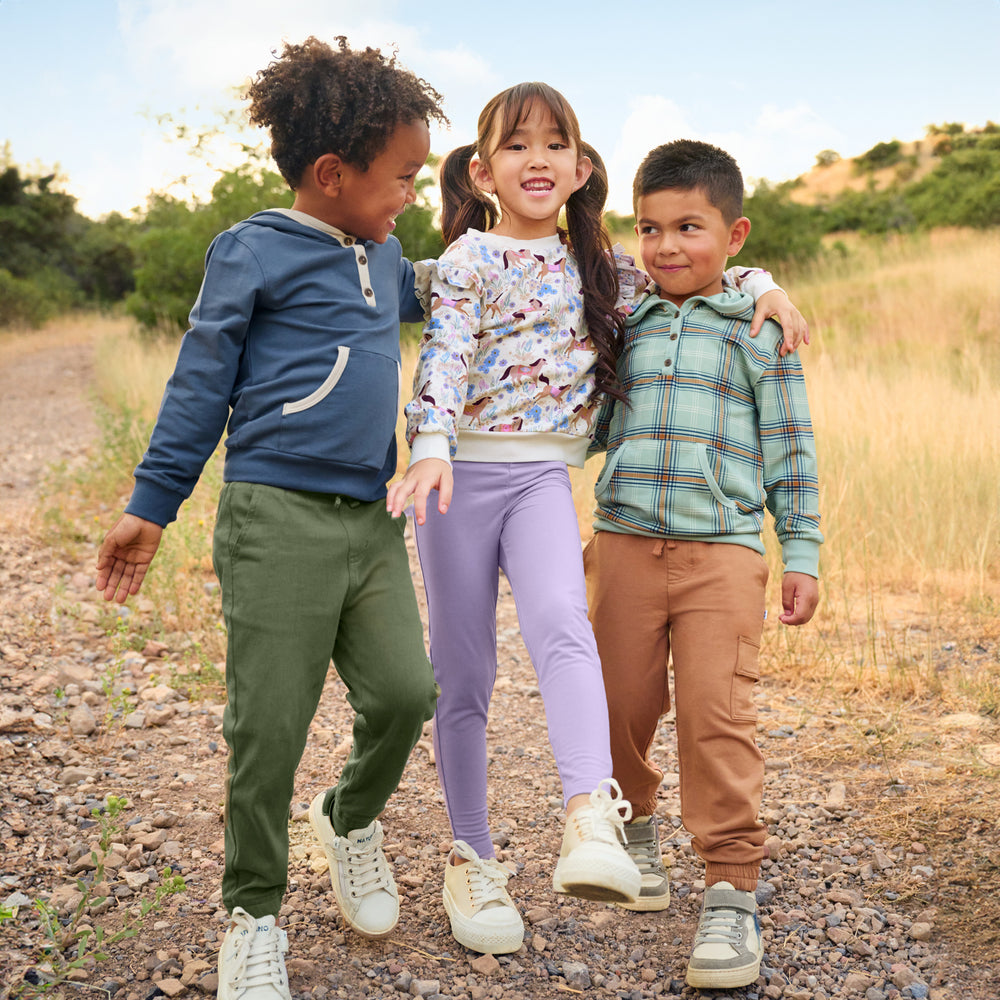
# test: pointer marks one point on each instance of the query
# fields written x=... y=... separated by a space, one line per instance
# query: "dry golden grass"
x=73 y=329
x=904 y=382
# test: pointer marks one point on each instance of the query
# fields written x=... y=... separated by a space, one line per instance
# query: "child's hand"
x=793 y=324
x=799 y=597
x=125 y=555
x=421 y=477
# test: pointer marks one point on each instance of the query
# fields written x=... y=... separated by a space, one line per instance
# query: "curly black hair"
x=316 y=99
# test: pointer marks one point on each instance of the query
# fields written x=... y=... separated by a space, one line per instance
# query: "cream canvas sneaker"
x=642 y=842
x=360 y=875
x=592 y=863
x=251 y=960
x=727 y=945
x=482 y=914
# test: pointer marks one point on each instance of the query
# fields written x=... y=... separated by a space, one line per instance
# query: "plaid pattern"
x=717 y=428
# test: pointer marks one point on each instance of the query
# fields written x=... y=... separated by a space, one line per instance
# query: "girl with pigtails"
x=521 y=346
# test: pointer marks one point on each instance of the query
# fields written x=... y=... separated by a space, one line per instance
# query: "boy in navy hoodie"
x=294 y=341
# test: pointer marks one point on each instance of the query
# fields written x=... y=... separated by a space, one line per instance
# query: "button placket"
x=364 y=278
x=671 y=345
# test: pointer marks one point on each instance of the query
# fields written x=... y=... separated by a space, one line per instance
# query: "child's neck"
x=517 y=227
x=524 y=233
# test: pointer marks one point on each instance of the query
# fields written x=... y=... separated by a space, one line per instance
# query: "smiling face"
x=685 y=242
x=369 y=200
x=532 y=172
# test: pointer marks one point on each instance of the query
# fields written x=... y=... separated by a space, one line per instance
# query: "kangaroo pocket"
x=350 y=417
x=666 y=483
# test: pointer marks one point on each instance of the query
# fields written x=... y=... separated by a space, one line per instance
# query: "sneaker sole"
x=475 y=938
x=316 y=815
x=602 y=883
x=724 y=979
x=648 y=904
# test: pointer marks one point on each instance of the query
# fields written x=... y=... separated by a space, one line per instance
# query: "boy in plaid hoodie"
x=716 y=429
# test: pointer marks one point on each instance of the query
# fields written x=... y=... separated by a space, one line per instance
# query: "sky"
x=88 y=87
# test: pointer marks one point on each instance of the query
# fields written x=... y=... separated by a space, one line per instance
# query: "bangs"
x=516 y=103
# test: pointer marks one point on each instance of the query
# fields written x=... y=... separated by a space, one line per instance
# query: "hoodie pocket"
x=701 y=452
x=350 y=417
x=318 y=395
x=610 y=464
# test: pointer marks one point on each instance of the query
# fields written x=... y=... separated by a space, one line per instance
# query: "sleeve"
x=789 y=455
x=411 y=303
x=195 y=405
x=602 y=426
x=422 y=272
x=632 y=280
x=754 y=281
x=440 y=382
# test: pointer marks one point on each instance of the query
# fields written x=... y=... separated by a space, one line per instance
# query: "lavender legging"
x=518 y=517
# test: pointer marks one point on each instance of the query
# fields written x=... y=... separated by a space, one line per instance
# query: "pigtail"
x=591 y=247
x=463 y=205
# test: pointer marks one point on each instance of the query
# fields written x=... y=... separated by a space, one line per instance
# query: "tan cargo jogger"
x=698 y=607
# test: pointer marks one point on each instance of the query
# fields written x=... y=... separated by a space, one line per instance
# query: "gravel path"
x=844 y=915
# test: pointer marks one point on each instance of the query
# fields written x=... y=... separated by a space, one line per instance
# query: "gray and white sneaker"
x=727 y=945
x=642 y=842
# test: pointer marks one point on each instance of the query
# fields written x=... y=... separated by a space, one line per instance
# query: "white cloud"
x=651 y=120
x=778 y=144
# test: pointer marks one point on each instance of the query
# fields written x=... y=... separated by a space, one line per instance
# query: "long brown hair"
x=465 y=207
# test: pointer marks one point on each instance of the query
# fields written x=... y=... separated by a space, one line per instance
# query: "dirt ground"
x=884 y=880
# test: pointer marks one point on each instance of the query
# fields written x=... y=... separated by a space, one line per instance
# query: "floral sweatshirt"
x=506 y=368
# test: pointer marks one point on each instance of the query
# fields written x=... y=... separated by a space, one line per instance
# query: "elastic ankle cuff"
x=742 y=877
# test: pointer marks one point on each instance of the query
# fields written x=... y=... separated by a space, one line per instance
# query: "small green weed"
x=78 y=941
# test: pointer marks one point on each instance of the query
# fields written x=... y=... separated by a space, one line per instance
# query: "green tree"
x=54 y=258
x=882 y=154
x=782 y=232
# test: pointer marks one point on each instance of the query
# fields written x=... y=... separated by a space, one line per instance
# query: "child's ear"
x=327 y=172
x=481 y=176
x=584 y=168
x=738 y=233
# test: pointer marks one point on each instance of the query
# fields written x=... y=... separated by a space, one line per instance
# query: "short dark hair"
x=316 y=99
x=686 y=164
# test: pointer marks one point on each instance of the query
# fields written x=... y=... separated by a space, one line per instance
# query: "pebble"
x=839 y=918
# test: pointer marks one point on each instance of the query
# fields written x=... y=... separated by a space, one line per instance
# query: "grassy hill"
x=826 y=181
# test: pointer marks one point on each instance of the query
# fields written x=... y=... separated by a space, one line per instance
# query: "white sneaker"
x=360 y=875
x=483 y=916
x=251 y=962
x=592 y=863
x=727 y=945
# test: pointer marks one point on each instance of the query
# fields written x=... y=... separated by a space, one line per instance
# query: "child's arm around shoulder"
x=771 y=301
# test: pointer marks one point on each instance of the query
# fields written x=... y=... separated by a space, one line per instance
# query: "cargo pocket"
x=745 y=677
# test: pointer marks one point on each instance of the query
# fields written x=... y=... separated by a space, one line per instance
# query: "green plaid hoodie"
x=717 y=428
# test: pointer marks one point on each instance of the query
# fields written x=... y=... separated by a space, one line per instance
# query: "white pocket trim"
x=325 y=389
x=701 y=450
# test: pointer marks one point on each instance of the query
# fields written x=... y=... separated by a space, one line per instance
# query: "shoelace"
x=367 y=869
x=646 y=855
x=258 y=954
x=606 y=818
x=720 y=926
x=487 y=878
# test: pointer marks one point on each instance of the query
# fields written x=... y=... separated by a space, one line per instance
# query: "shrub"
x=782 y=231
